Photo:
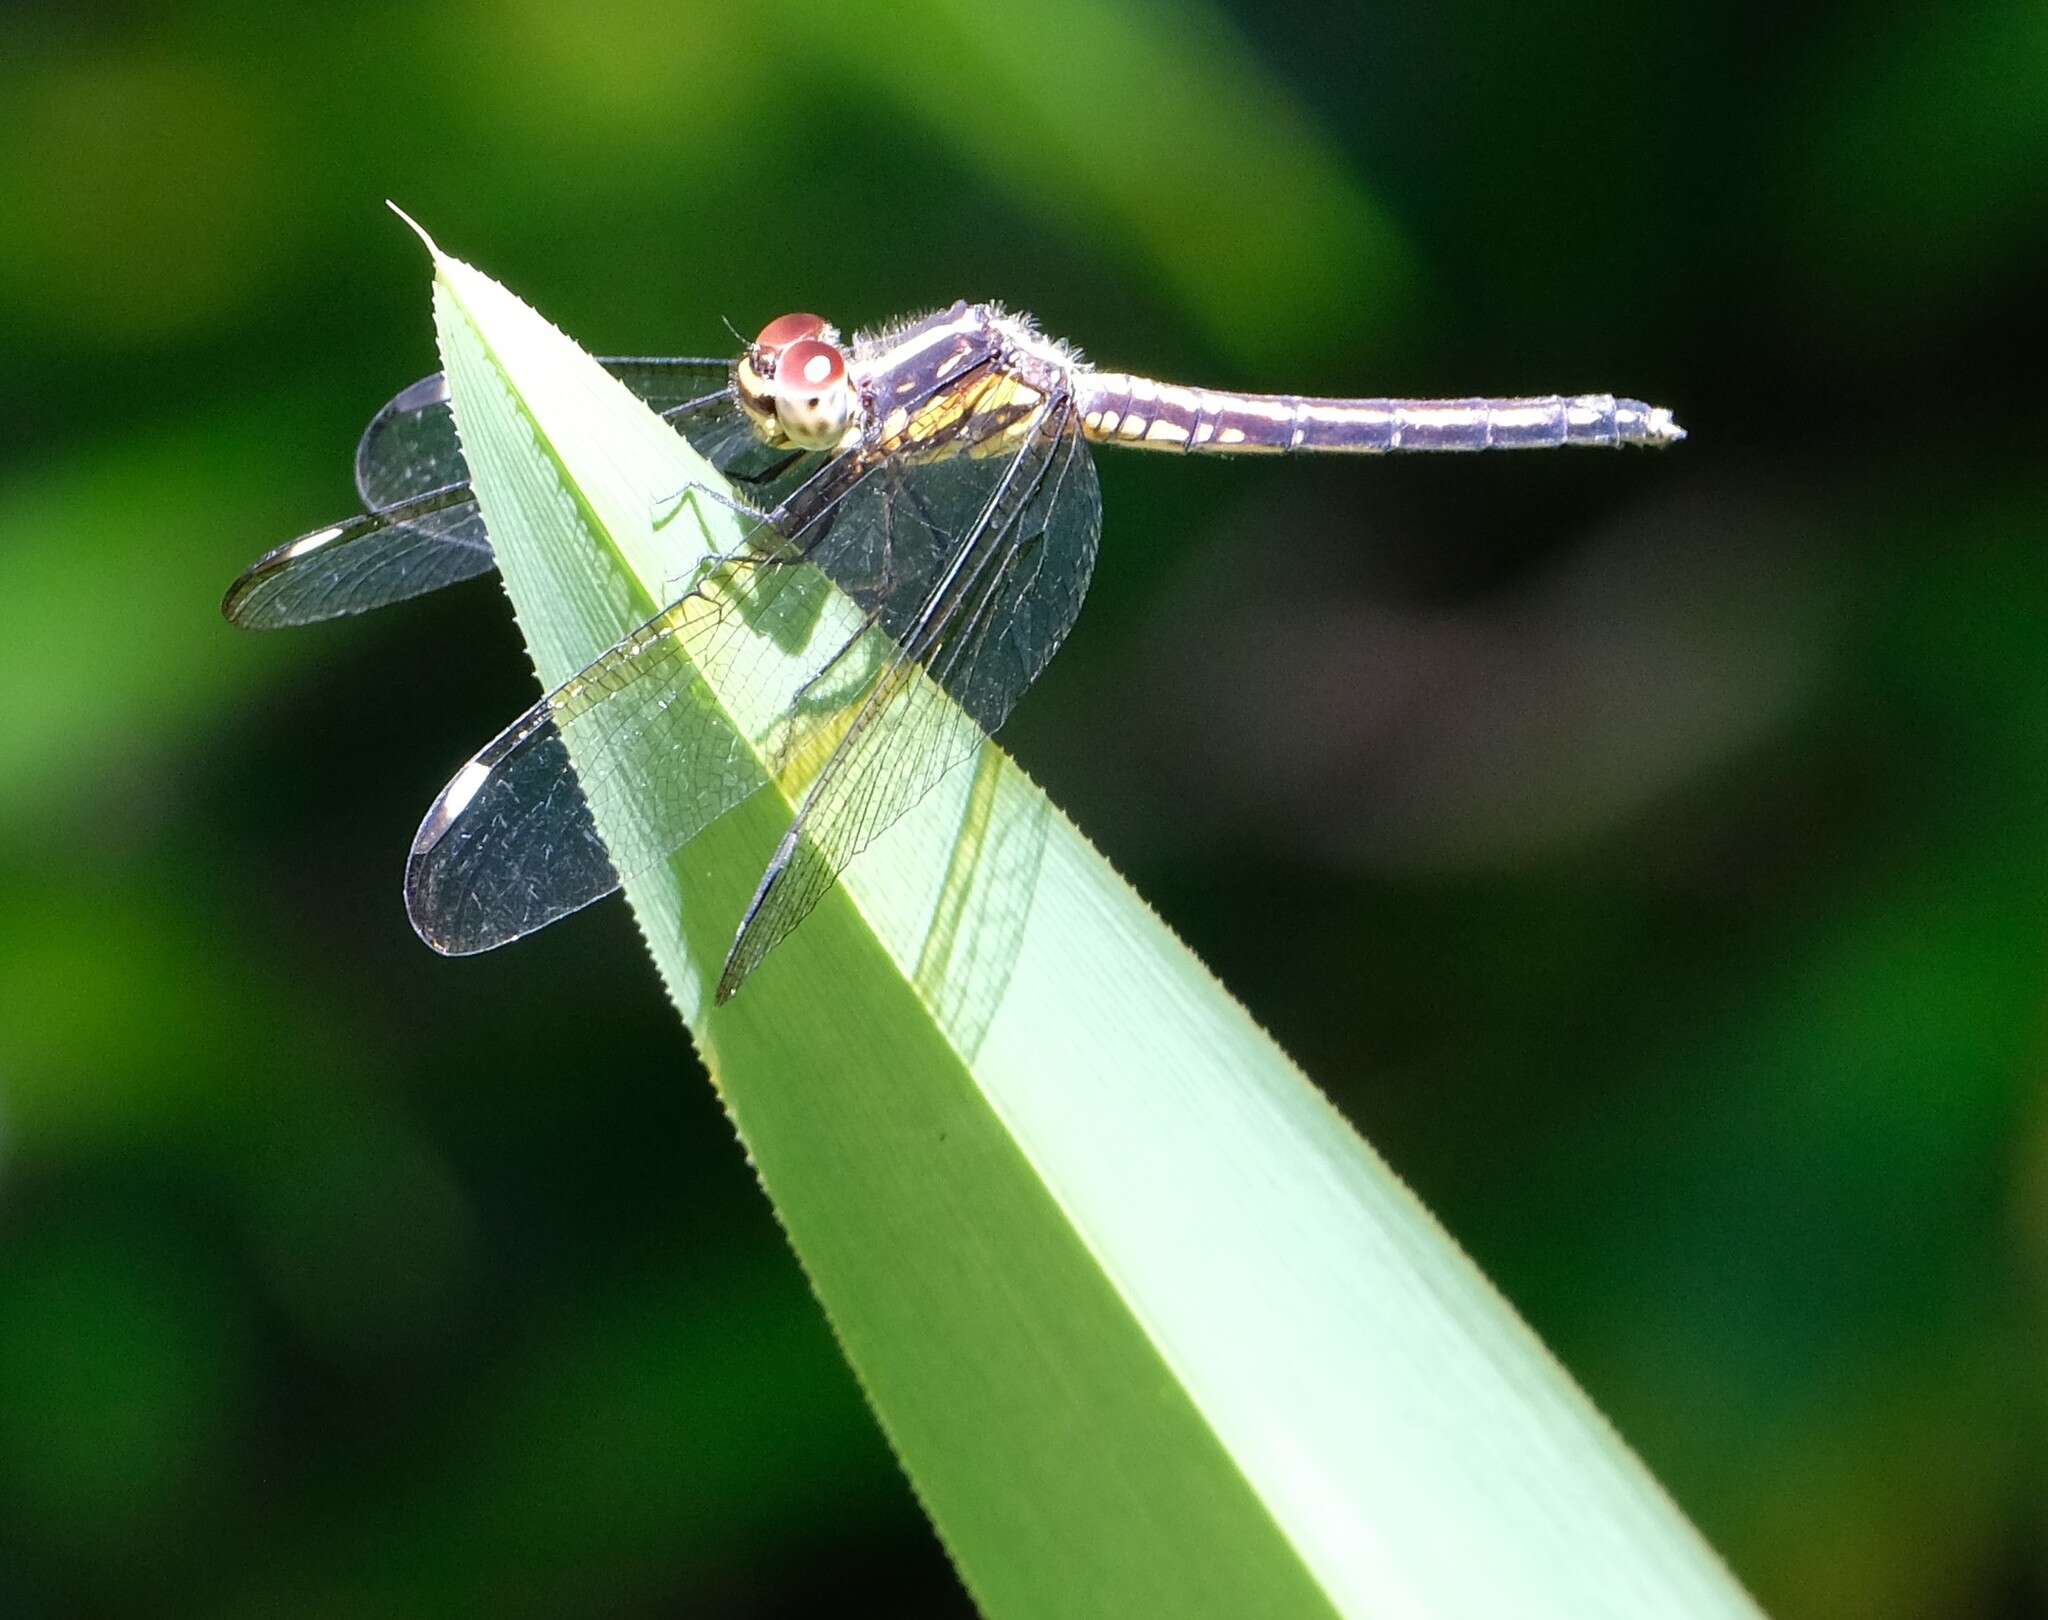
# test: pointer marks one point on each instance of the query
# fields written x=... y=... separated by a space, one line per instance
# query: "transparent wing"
x=994 y=614
x=423 y=530
x=380 y=557
x=512 y=843
x=410 y=449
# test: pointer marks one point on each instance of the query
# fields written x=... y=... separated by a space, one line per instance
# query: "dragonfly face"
x=936 y=472
x=794 y=385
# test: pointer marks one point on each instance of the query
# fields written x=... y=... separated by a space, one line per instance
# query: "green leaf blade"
x=1150 y=1328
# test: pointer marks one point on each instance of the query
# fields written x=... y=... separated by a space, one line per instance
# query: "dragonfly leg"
x=666 y=507
x=747 y=554
x=868 y=621
x=677 y=587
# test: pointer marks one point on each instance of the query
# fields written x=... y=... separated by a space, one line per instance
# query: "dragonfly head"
x=793 y=384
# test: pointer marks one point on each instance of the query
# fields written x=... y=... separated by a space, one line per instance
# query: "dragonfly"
x=936 y=471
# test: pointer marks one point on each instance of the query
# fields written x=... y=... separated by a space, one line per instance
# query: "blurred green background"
x=1647 y=852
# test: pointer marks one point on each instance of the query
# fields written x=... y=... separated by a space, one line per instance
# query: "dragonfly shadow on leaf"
x=976 y=932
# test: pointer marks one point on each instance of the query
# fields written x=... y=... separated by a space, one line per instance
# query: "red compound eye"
x=784 y=330
x=814 y=400
x=809 y=367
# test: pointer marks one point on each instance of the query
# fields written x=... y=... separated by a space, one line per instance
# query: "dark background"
x=1646 y=851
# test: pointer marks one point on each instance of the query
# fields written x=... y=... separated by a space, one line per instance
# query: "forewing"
x=423 y=530
x=987 y=624
x=410 y=448
x=366 y=562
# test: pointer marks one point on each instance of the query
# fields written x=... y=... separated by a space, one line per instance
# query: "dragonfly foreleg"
x=666 y=507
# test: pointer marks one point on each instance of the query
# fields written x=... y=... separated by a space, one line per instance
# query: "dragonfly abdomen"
x=1118 y=408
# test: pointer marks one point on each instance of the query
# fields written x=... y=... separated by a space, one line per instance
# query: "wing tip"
x=232 y=600
x=422 y=872
x=747 y=954
x=429 y=918
x=435 y=941
x=242 y=604
x=741 y=959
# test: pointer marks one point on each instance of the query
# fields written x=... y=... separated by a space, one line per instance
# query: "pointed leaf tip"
x=418 y=229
